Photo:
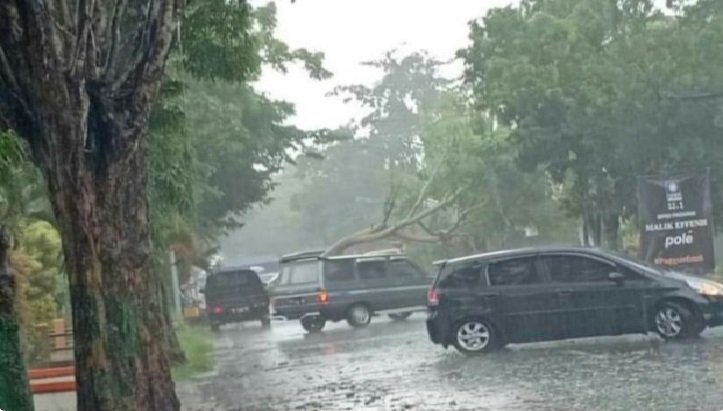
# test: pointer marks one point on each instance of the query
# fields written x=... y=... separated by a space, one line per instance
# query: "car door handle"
x=564 y=292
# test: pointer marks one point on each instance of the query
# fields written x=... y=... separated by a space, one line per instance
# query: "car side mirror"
x=616 y=277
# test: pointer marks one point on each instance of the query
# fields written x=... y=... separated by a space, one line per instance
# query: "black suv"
x=318 y=289
x=480 y=303
x=235 y=295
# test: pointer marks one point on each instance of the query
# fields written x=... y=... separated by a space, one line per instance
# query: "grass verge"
x=199 y=352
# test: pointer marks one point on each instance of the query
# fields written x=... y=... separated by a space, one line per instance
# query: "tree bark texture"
x=117 y=318
x=77 y=82
x=14 y=387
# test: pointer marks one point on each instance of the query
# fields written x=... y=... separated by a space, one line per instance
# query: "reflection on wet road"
x=393 y=366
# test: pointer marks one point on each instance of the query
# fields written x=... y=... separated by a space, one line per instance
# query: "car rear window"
x=301 y=272
x=233 y=278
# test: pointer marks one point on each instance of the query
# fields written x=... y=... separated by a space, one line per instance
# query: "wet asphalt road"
x=393 y=366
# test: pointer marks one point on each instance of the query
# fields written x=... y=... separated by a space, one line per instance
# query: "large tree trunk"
x=97 y=189
x=118 y=320
x=14 y=388
x=78 y=87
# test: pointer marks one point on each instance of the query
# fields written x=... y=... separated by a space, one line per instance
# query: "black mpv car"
x=236 y=295
x=480 y=303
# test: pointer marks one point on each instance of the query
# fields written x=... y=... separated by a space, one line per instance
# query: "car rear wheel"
x=399 y=316
x=265 y=322
x=359 y=315
x=474 y=336
x=313 y=324
x=675 y=321
x=215 y=327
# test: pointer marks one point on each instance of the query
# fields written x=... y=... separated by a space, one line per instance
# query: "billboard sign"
x=676 y=222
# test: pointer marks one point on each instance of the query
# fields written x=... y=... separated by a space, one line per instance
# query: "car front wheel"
x=474 y=336
x=675 y=321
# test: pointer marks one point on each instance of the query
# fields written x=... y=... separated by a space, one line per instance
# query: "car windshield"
x=239 y=204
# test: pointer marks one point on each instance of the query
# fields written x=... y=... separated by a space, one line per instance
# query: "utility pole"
x=174 y=283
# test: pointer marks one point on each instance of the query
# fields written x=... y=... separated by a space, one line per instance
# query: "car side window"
x=403 y=269
x=339 y=270
x=630 y=274
x=464 y=276
x=576 y=269
x=518 y=271
x=371 y=270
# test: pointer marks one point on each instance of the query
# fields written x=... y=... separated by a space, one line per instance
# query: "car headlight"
x=707 y=288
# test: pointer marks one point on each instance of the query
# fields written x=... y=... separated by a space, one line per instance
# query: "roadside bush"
x=199 y=352
x=42 y=290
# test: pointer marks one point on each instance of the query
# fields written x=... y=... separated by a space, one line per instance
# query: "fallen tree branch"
x=417 y=238
x=389 y=205
x=379 y=232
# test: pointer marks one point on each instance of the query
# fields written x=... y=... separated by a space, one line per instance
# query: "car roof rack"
x=228 y=269
x=385 y=252
x=318 y=254
x=512 y=252
x=302 y=255
x=375 y=256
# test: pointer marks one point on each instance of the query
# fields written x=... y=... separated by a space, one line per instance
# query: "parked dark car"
x=315 y=289
x=236 y=295
x=482 y=302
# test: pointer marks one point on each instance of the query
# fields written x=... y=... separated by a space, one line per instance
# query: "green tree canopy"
x=425 y=168
x=215 y=142
x=588 y=89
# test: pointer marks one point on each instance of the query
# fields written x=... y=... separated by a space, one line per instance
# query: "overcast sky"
x=352 y=31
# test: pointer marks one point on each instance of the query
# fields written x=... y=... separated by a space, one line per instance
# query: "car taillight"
x=433 y=296
x=217 y=310
x=322 y=297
